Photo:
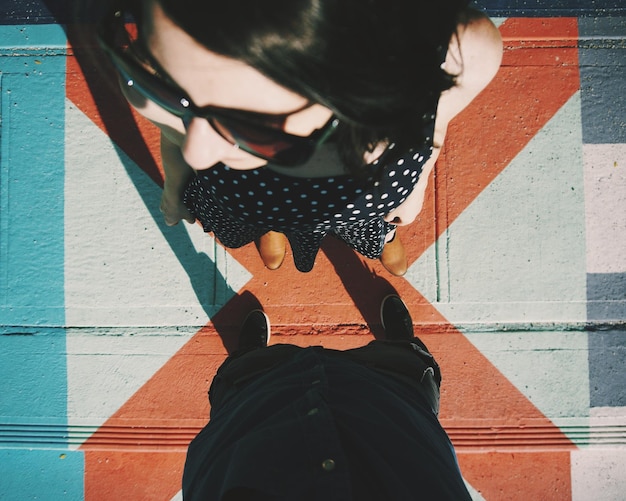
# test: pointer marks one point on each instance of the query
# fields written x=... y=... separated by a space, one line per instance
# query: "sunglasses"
x=259 y=134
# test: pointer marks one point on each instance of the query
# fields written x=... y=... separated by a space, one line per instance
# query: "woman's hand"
x=174 y=210
x=177 y=176
x=408 y=210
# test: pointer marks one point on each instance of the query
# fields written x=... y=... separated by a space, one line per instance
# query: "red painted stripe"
x=132 y=475
x=515 y=476
x=91 y=85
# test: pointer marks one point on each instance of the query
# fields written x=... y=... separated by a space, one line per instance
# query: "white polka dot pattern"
x=240 y=206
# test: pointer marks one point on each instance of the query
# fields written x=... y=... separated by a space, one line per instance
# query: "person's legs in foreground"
x=315 y=423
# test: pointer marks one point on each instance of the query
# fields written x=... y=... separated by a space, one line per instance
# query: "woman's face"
x=211 y=79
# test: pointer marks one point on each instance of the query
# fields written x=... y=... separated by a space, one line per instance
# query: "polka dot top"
x=239 y=206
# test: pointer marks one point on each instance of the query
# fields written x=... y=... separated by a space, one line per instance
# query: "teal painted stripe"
x=45 y=475
x=32 y=108
x=49 y=36
x=33 y=382
x=33 y=365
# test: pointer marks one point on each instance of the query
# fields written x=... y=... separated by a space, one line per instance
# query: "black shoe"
x=255 y=331
x=396 y=319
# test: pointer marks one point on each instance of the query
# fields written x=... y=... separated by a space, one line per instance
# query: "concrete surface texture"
x=112 y=324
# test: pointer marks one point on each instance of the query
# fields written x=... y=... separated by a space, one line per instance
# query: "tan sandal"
x=272 y=248
x=393 y=257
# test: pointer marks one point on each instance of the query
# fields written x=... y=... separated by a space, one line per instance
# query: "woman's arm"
x=177 y=176
x=474 y=54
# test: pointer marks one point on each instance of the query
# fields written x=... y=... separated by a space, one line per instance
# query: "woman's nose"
x=203 y=147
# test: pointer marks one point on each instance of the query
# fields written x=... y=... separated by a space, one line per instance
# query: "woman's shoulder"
x=475 y=52
x=473 y=57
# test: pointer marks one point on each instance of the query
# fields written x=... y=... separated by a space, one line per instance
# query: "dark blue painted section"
x=45 y=475
x=33 y=11
x=552 y=8
x=606 y=294
x=27 y=12
x=607 y=368
x=48 y=11
x=602 y=58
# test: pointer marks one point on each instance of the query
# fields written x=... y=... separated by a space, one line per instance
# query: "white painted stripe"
x=178 y=496
x=598 y=474
x=104 y=371
x=476 y=496
x=498 y=21
x=123 y=266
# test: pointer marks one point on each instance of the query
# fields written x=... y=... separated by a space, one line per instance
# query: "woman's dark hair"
x=375 y=63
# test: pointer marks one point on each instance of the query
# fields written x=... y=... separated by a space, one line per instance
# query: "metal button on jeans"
x=328 y=464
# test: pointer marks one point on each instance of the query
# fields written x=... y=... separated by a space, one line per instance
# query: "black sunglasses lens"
x=270 y=144
x=293 y=157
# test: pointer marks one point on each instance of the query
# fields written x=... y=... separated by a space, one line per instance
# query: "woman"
x=294 y=119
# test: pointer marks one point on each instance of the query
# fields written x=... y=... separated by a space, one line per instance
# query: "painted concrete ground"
x=112 y=324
